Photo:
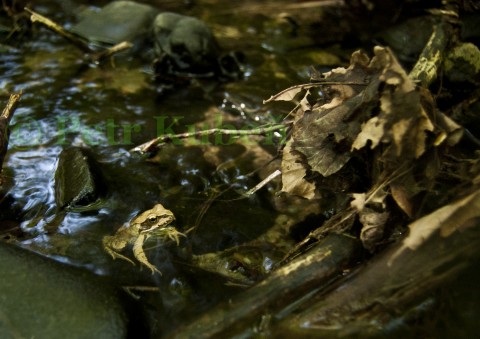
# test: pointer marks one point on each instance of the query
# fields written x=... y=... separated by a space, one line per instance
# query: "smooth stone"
x=42 y=298
x=78 y=182
x=409 y=37
x=186 y=41
x=117 y=22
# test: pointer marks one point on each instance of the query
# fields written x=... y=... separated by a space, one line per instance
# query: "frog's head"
x=154 y=219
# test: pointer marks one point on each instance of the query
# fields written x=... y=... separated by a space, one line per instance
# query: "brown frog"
x=153 y=222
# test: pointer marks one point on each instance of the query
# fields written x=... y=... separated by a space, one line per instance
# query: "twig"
x=171 y=138
x=74 y=39
x=262 y=183
x=77 y=40
x=98 y=57
x=5 y=118
x=426 y=68
x=11 y=106
x=289 y=93
x=275 y=6
x=130 y=289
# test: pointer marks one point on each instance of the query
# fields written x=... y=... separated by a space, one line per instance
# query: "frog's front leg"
x=140 y=254
x=172 y=233
x=111 y=245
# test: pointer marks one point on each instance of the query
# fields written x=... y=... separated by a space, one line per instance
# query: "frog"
x=155 y=222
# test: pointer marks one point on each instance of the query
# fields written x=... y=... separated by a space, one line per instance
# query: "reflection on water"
x=33 y=184
x=68 y=102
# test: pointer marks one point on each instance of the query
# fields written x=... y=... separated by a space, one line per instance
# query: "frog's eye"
x=152 y=218
x=149 y=222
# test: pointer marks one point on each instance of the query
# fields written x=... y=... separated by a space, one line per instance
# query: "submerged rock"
x=78 y=181
x=117 y=22
x=184 y=44
x=42 y=298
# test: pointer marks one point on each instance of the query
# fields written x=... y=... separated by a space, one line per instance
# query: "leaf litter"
x=375 y=128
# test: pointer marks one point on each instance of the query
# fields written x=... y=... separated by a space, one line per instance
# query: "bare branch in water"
x=77 y=40
x=169 y=138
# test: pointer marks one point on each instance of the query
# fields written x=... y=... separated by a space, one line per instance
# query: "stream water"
x=110 y=109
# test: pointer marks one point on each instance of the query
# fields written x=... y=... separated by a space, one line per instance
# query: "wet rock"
x=408 y=38
x=184 y=44
x=116 y=22
x=42 y=298
x=78 y=182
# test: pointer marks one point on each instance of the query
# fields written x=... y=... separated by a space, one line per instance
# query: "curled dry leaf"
x=375 y=197
x=446 y=220
x=325 y=133
x=293 y=175
x=359 y=200
x=402 y=198
x=401 y=121
x=373 y=227
x=374 y=116
x=371 y=209
x=374 y=102
x=290 y=93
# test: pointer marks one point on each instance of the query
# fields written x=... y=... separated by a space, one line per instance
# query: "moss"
x=462 y=63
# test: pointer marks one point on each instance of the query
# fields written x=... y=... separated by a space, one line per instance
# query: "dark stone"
x=42 y=298
x=187 y=44
x=116 y=22
x=408 y=38
x=78 y=182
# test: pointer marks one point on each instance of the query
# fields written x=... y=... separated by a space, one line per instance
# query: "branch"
x=5 y=118
x=77 y=40
x=100 y=56
x=53 y=26
x=426 y=68
x=11 y=106
x=170 y=138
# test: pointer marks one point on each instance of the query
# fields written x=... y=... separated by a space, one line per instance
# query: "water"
x=69 y=102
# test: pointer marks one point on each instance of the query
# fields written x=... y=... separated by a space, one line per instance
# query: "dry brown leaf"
x=290 y=93
x=375 y=113
x=373 y=227
x=402 y=198
x=453 y=130
x=327 y=134
x=373 y=130
x=371 y=209
x=293 y=175
x=324 y=133
x=402 y=119
x=446 y=220
x=374 y=197
x=358 y=201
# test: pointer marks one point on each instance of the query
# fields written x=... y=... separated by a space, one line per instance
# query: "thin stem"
x=169 y=138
